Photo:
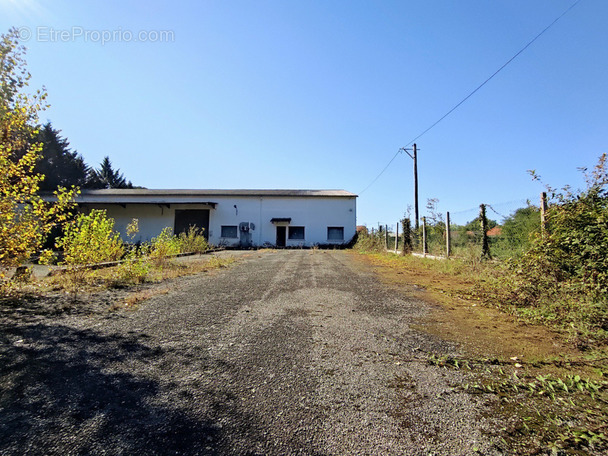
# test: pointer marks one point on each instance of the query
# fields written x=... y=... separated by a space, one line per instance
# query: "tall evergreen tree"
x=61 y=166
x=107 y=177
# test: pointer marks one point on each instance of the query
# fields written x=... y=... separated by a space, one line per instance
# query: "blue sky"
x=322 y=94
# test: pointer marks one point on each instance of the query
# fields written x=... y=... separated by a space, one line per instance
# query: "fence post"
x=543 y=214
x=448 y=238
x=397 y=237
x=485 y=245
x=385 y=237
x=424 y=247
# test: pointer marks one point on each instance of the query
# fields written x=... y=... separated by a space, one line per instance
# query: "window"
x=296 y=232
x=229 y=231
x=335 y=233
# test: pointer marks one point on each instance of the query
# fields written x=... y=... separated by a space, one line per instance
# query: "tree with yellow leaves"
x=25 y=219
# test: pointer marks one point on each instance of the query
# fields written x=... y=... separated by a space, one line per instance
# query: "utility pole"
x=415 y=158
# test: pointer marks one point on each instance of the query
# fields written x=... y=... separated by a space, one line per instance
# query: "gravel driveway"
x=286 y=352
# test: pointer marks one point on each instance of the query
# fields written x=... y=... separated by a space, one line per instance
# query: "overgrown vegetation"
x=91 y=239
x=35 y=158
x=562 y=279
x=25 y=218
x=558 y=278
x=545 y=407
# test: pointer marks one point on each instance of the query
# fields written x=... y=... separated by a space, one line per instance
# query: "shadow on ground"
x=61 y=393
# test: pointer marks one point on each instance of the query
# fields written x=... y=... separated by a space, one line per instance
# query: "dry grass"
x=520 y=367
x=87 y=283
x=132 y=301
x=461 y=316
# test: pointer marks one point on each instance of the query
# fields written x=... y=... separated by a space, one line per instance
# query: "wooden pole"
x=397 y=238
x=543 y=213
x=416 y=223
x=448 y=238
x=386 y=237
x=424 y=250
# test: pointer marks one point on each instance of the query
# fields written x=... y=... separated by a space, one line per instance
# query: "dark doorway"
x=281 y=236
x=184 y=219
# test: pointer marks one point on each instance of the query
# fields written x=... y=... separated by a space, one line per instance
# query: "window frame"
x=236 y=231
x=291 y=229
x=335 y=228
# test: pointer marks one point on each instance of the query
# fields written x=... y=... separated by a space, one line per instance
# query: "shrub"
x=90 y=238
x=165 y=244
x=192 y=241
x=370 y=242
x=136 y=266
x=564 y=275
x=47 y=257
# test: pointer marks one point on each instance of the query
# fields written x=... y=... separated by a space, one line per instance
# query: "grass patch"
x=549 y=391
x=90 y=282
x=544 y=407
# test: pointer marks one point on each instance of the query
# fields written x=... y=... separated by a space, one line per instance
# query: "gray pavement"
x=286 y=352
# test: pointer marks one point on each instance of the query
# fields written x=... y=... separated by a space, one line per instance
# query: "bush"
x=192 y=241
x=90 y=238
x=370 y=242
x=564 y=275
x=164 y=245
x=136 y=265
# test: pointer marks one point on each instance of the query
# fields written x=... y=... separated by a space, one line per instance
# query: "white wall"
x=315 y=214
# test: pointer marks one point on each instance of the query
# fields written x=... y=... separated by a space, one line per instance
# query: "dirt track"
x=289 y=352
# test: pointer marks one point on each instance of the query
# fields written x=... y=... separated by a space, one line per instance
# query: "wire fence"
x=497 y=230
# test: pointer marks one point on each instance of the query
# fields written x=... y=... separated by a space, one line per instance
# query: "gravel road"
x=285 y=352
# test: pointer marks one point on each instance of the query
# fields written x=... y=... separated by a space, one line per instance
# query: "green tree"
x=107 y=177
x=475 y=225
x=518 y=229
x=25 y=218
x=61 y=166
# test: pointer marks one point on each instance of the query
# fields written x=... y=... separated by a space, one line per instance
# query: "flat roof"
x=143 y=195
x=213 y=192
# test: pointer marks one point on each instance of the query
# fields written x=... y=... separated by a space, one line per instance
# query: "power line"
x=476 y=89
x=503 y=203
x=381 y=172
x=495 y=211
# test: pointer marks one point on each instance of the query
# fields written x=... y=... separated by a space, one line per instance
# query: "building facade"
x=233 y=218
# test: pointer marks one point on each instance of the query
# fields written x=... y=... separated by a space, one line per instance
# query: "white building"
x=238 y=218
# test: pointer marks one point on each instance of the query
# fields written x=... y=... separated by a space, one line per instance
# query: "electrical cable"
x=474 y=91
x=381 y=172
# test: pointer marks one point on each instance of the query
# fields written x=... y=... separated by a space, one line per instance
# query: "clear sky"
x=322 y=94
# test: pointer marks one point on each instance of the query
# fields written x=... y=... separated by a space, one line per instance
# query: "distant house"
x=496 y=231
x=239 y=218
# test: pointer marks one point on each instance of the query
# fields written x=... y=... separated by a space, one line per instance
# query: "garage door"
x=186 y=218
